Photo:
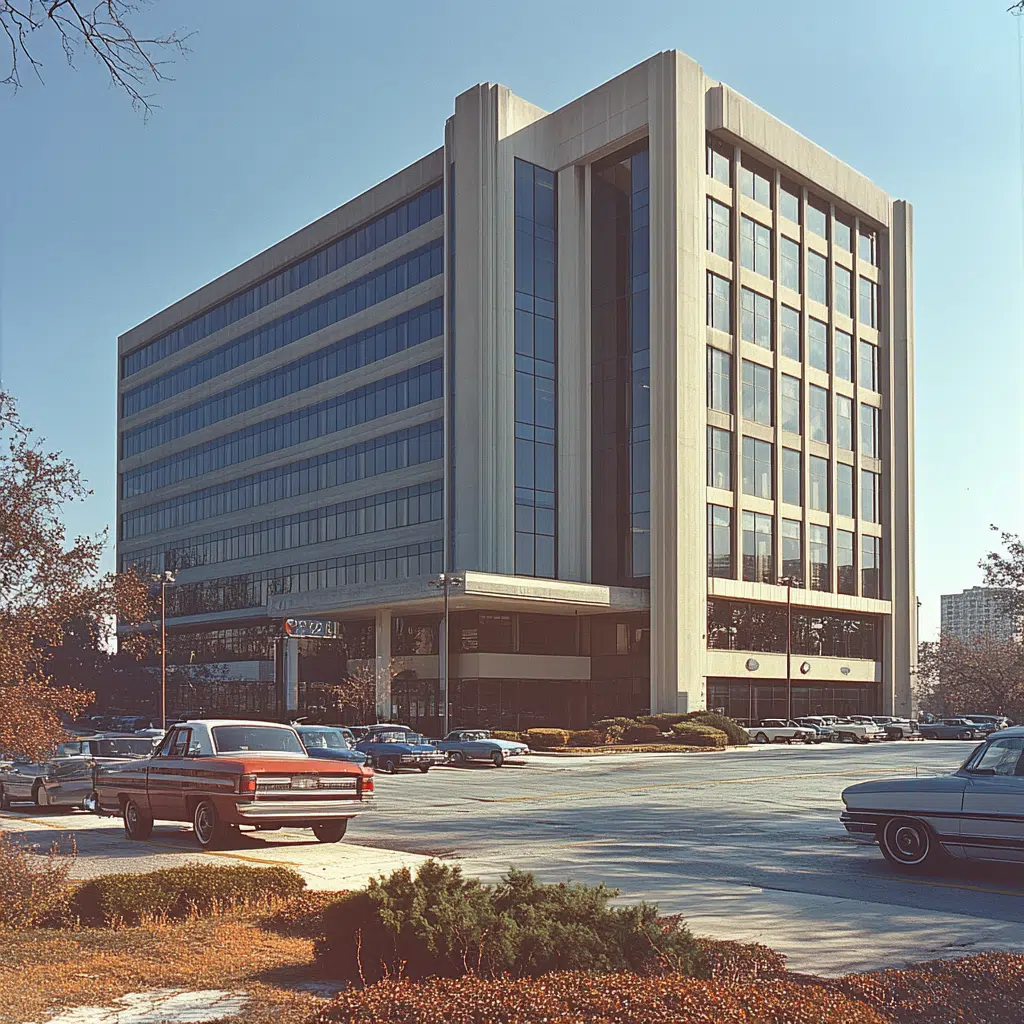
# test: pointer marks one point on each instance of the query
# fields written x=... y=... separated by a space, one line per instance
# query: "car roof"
x=213 y=722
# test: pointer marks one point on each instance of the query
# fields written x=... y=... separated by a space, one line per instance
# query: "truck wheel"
x=498 y=757
x=209 y=830
x=138 y=824
x=330 y=831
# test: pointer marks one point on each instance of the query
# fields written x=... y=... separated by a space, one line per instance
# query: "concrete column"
x=383 y=665
x=898 y=544
x=290 y=658
x=678 y=427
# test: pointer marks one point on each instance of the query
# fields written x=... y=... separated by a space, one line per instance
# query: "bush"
x=614 y=728
x=663 y=721
x=642 y=734
x=507 y=734
x=586 y=738
x=303 y=916
x=722 y=960
x=698 y=735
x=34 y=889
x=570 y=998
x=544 y=739
x=738 y=736
x=176 y=893
x=439 y=923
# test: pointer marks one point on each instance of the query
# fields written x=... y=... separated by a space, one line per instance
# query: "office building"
x=639 y=371
x=976 y=612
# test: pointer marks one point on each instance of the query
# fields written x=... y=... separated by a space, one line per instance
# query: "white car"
x=775 y=730
x=975 y=813
x=858 y=729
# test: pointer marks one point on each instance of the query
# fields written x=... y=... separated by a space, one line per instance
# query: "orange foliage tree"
x=45 y=583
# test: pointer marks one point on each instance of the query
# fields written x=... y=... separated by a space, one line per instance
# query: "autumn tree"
x=1004 y=570
x=47 y=583
x=105 y=30
x=983 y=674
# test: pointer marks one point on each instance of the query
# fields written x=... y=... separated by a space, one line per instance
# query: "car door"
x=166 y=779
x=992 y=821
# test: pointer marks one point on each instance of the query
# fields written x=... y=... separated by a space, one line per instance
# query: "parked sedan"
x=391 y=747
x=775 y=730
x=819 y=725
x=65 y=778
x=952 y=729
x=975 y=813
x=331 y=743
x=478 y=745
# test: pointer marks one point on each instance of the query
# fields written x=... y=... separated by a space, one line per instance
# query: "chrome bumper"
x=288 y=810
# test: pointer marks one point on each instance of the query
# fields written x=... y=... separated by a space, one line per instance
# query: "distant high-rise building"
x=976 y=611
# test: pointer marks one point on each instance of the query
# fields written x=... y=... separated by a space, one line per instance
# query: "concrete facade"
x=669 y=109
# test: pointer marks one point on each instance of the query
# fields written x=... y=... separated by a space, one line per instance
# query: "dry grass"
x=42 y=971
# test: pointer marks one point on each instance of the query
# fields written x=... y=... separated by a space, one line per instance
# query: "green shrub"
x=34 y=890
x=507 y=734
x=614 y=728
x=698 y=735
x=642 y=734
x=586 y=738
x=663 y=721
x=176 y=893
x=439 y=923
x=738 y=736
x=544 y=739
x=303 y=915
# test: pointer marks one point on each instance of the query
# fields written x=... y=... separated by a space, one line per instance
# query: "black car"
x=332 y=743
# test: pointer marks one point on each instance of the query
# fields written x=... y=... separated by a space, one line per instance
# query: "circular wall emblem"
x=753 y=664
x=805 y=667
x=845 y=670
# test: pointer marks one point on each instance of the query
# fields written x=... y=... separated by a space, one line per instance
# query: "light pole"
x=788 y=582
x=164 y=579
x=445 y=580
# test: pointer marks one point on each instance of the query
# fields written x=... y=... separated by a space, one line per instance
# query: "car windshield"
x=125 y=747
x=395 y=737
x=476 y=734
x=70 y=749
x=321 y=739
x=266 y=738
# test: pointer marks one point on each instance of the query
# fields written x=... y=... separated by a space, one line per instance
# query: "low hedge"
x=507 y=734
x=587 y=738
x=663 y=721
x=544 y=739
x=439 y=923
x=641 y=734
x=177 y=893
x=738 y=736
x=571 y=998
x=699 y=735
x=302 y=916
x=34 y=889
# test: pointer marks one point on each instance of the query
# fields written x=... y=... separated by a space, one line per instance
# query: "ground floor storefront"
x=753 y=702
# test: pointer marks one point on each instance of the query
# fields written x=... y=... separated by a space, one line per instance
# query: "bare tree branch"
x=103 y=30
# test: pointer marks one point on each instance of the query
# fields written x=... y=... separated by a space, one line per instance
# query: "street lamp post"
x=788 y=582
x=445 y=580
x=165 y=579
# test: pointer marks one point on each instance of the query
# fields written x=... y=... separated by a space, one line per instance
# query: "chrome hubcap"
x=909 y=842
x=204 y=826
x=131 y=817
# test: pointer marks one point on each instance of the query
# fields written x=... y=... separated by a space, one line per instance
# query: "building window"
x=536 y=382
x=867 y=370
x=719 y=228
x=843 y=236
x=758 y=562
x=819 y=483
x=757 y=393
x=791 y=419
x=817 y=217
x=756 y=318
x=792 y=477
x=817 y=344
x=844 y=489
x=818 y=403
x=755 y=181
x=757 y=467
x=844 y=285
x=719 y=303
x=867 y=247
x=817 y=277
x=719 y=380
x=791 y=347
x=755 y=247
x=720 y=541
x=793 y=551
x=868 y=302
x=869 y=431
x=719 y=161
x=844 y=422
x=846 y=574
x=870 y=496
x=789 y=254
x=871 y=567
x=844 y=354
x=789 y=200
x=820 y=570
x=719 y=458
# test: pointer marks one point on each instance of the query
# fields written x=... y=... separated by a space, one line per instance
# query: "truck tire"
x=331 y=831
x=210 y=831
x=138 y=824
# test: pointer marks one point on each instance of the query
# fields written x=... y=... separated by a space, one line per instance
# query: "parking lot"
x=745 y=844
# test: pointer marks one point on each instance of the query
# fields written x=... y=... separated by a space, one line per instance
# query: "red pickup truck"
x=220 y=775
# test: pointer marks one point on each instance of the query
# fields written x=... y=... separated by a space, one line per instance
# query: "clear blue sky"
x=284 y=111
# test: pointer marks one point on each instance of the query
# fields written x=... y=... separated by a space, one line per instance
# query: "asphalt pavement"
x=745 y=844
